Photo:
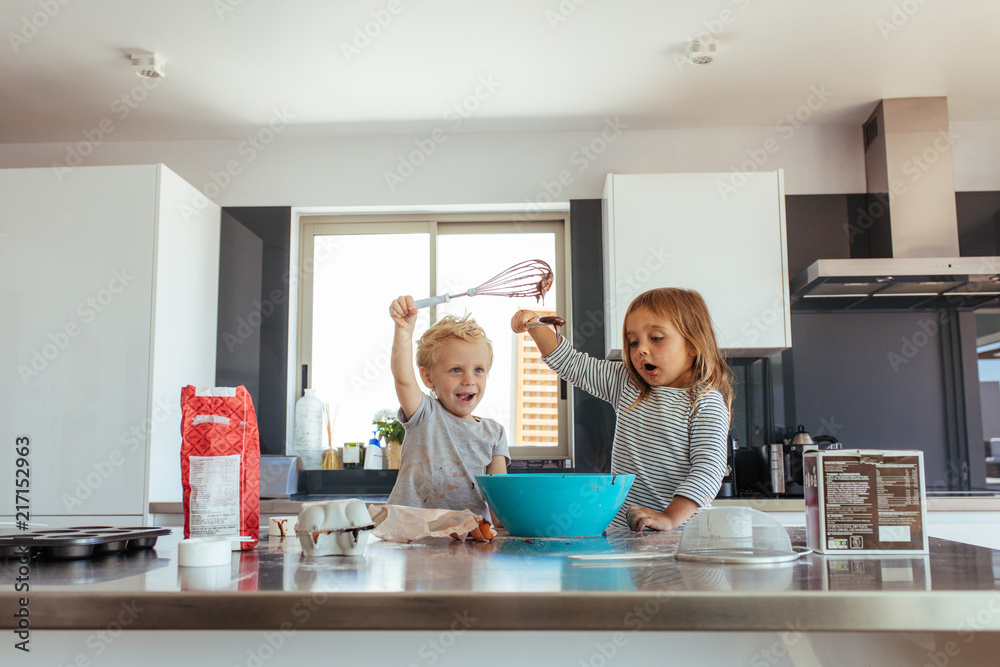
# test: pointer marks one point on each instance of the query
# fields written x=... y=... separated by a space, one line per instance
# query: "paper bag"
x=220 y=463
x=397 y=523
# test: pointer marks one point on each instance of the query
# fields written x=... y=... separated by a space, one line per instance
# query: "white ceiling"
x=231 y=63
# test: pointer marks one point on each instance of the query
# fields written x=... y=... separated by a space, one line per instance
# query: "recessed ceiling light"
x=701 y=51
x=148 y=65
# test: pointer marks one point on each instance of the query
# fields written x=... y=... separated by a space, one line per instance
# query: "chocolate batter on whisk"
x=530 y=278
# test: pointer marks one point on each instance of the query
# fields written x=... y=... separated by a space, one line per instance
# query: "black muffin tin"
x=79 y=542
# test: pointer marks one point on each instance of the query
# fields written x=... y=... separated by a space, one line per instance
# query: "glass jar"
x=354 y=454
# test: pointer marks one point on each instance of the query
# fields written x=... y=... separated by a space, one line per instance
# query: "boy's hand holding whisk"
x=403 y=313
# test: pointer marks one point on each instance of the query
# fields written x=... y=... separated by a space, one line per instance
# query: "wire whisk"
x=529 y=278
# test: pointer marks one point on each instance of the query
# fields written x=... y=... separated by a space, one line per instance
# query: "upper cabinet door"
x=720 y=234
x=76 y=266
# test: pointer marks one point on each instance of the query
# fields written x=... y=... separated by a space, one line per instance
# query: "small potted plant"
x=391 y=432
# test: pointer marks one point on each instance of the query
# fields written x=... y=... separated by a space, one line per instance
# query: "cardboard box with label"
x=865 y=501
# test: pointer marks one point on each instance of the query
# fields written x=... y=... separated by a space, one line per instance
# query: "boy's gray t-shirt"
x=441 y=457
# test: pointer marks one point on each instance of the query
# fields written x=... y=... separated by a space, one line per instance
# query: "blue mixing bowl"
x=555 y=504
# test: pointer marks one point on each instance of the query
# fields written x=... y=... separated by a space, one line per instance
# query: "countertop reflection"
x=515 y=582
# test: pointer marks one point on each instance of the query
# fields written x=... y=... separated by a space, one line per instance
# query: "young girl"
x=446 y=446
x=672 y=396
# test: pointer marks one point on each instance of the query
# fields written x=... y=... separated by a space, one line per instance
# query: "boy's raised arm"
x=408 y=390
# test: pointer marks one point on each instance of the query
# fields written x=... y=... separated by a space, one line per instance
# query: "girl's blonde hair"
x=687 y=311
x=449 y=328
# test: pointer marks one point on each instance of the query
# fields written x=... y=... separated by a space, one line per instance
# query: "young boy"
x=445 y=446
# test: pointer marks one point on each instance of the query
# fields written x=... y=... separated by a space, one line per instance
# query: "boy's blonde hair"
x=449 y=328
x=688 y=312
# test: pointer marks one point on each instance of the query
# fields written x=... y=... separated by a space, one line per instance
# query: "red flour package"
x=220 y=463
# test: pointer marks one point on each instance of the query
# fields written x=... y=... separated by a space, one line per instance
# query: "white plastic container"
x=308 y=434
x=373 y=457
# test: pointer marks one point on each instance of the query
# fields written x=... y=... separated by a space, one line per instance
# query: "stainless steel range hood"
x=904 y=242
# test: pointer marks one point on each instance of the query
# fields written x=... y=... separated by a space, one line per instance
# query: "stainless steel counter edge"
x=667 y=611
x=936 y=504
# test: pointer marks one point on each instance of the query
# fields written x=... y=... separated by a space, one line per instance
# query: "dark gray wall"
x=238 y=356
x=989 y=399
x=594 y=419
x=254 y=291
x=978 y=223
x=816 y=227
x=877 y=381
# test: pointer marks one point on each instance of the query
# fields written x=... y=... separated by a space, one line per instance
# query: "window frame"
x=436 y=225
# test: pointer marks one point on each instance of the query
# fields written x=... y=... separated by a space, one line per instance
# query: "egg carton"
x=79 y=542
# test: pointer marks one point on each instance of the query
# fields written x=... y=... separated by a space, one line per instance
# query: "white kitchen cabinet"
x=718 y=233
x=108 y=295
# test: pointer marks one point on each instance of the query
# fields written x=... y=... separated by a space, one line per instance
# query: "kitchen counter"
x=513 y=584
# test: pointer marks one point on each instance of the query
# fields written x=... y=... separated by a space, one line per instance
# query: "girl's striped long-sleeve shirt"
x=671 y=448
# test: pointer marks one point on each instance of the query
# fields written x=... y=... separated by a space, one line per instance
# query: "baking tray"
x=80 y=541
